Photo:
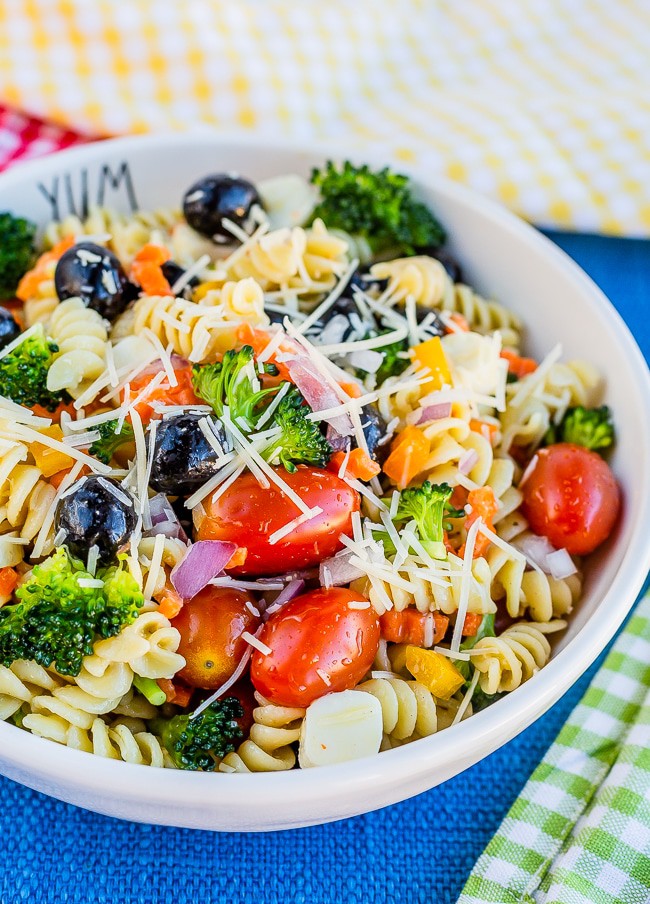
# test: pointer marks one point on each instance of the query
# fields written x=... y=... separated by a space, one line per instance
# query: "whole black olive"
x=374 y=430
x=213 y=199
x=9 y=329
x=101 y=513
x=95 y=275
x=183 y=459
x=173 y=272
x=372 y=285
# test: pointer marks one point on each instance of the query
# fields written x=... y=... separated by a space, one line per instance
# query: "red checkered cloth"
x=22 y=138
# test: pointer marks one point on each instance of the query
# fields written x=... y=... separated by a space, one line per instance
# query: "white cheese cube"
x=341 y=726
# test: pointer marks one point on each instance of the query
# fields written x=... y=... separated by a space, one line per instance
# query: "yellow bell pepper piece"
x=434 y=671
x=431 y=355
x=50 y=461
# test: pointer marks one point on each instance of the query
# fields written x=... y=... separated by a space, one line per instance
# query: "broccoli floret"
x=301 y=441
x=393 y=364
x=56 y=619
x=110 y=440
x=230 y=383
x=198 y=743
x=16 y=251
x=376 y=205
x=589 y=427
x=23 y=372
x=427 y=505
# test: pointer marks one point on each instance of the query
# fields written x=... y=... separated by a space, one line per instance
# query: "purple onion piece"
x=203 y=561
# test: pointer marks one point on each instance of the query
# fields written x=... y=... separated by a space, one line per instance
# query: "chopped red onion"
x=435 y=412
x=292 y=589
x=560 y=564
x=337 y=571
x=318 y=394
x=536 y=549
x=164 y=519
x=467 y=461
x=203 y=561
x=172 y=529
x=337 y=442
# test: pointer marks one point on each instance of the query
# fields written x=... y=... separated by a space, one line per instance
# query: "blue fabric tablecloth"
x=418 y=851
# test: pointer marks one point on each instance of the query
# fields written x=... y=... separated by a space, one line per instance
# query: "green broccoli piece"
x=198 y=743
x=230 y=383
x=589 y=427
x=427 y=505
x=393 y=364
x=17 y=251
x=57 y=619
x=301 y=441
x=23 y=372
x=376 y=205
x=110 y=440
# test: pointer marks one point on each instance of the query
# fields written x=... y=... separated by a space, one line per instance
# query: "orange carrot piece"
x=30 y=282
x=8 y=580
x=146 y=270
x=352 y=389
x=410 y=626
x=170 y=602
x=484 y=505
x=359 y=466
x=485 y=428
x=56 y=479
x=517 y=365
x=471 y=624
x=409 y=453
x=460 y=321
x=176 y=693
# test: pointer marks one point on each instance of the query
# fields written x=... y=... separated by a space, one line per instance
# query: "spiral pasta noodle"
x=309 y=259
x=427 y=594
x=20 y=683
x=81 y=336
x=268 y=748
x=147 y=647
x=198 y=332
x=536 y=401
x=426 y=281
x=25 y=496
x=43 y=300
x=408 y=708
x=506 y=661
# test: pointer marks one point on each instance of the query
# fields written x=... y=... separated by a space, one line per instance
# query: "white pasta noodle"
x=81 y=336
x=506 y=661
x=268 y=748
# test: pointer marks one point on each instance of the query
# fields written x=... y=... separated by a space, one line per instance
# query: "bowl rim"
x=516 y=710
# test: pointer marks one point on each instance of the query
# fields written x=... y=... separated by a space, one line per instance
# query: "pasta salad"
x=277 y=487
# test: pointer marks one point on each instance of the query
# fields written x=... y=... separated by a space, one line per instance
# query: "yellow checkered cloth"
x=542 y=104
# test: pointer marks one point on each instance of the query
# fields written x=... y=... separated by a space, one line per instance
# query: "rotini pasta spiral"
x=42 y=300
x=408 y=708
x=125 y=235
x=268 y=748
x=81 y=336
x=310 y=259
x=198 y=332
x=148 y=645
x=426 y=594
x=540 y=398
x=20 y=683
x=506 y=661
x=25 y=496
x=426 y=281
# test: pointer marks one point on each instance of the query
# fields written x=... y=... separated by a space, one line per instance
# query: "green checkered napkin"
x=580 y=829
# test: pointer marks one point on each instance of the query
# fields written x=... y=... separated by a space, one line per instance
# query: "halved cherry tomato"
x=571 y=497
x=182 y=394
x=319 y=644
x=248 y=515
x=211 y=625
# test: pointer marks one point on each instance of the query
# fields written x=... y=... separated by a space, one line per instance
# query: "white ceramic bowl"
x=502 y=256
